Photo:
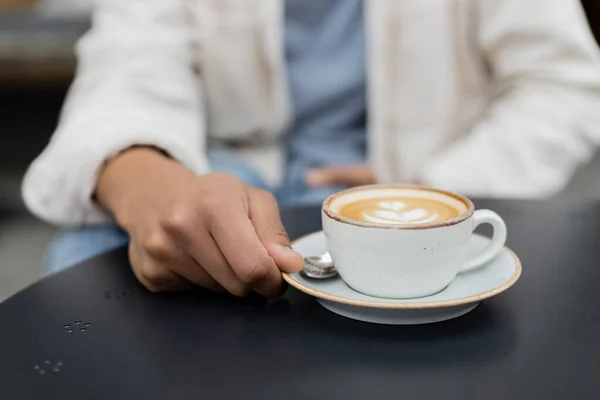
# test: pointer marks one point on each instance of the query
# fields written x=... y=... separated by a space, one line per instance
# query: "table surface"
x=93 y=332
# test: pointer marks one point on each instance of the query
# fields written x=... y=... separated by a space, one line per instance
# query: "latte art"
x=395 y=213
x=399 y=211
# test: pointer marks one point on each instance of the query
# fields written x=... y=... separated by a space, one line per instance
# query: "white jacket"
x=484 y=97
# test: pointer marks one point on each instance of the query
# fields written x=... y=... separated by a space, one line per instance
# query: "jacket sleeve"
x=544 y=120
x=134 y=85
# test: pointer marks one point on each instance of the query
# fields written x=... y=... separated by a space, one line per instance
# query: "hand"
x=343 y=175
x=211 y=231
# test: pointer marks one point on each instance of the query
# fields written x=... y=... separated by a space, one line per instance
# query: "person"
x=190 y=120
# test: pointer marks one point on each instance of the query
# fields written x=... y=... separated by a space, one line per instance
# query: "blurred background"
x=36 y=66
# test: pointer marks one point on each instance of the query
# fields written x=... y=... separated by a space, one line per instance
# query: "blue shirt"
x=325 y=55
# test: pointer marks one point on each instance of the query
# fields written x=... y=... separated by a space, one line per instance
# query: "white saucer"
x=462 y=295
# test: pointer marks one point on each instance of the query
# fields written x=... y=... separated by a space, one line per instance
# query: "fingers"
x=236 y=238
x=207 y=253
x=344 y=175
x=162 y=267
x=264 y=215
x=218 y=235
x=196 y=274
x=196 y=241
x=154 y=277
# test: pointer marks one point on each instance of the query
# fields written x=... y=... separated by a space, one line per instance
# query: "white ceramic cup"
x=405 y=260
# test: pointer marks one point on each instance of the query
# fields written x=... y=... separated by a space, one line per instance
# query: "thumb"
x=264 y=215
x=285 y=257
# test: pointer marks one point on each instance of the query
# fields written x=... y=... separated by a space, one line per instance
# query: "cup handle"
x=496 y=244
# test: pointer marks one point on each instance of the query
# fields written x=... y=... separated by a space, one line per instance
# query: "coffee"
x=399 y=210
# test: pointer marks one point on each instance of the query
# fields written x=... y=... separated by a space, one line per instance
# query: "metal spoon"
x=319 y=267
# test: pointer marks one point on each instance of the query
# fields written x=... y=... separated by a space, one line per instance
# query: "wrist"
x=124 y=174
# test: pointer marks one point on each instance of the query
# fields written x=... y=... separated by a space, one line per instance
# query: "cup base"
x=395 y=296
x=398 y=317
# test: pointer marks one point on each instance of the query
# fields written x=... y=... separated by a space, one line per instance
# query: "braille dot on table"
x=78 y=322
x=67 y=326
x=87 y=324
x=82 y=329
x=69 y=330
x=56 y=369
x=36 y=366
x=42 y=372
x=47 y=362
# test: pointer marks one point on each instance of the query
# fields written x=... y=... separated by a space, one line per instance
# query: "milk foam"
x=390 y=205
x=393 y=212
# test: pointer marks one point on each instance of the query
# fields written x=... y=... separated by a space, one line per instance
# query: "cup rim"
x=436 y=224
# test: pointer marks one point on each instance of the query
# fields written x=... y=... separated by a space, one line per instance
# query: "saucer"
x=462 y=295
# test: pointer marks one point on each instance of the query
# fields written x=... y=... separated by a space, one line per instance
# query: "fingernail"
x=288 y=249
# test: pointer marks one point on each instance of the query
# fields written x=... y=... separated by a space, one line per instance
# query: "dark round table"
x=92 y=332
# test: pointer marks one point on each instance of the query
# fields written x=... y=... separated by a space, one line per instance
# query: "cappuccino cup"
x=404 y=241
